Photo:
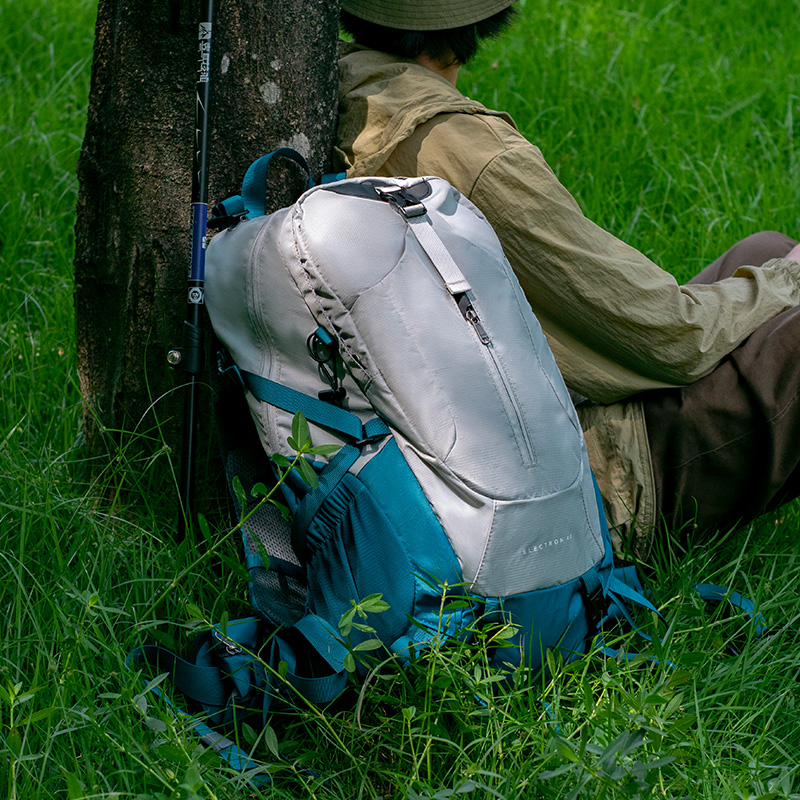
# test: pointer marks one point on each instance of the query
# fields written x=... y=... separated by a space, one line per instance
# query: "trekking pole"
x=190 y=356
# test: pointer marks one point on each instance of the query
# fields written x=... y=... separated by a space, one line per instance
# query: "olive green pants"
x=726 y=448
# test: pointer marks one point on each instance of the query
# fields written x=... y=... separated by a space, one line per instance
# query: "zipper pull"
x=473 y=318
x=471 y=315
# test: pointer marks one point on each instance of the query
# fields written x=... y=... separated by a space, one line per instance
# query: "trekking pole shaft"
x=192 y=356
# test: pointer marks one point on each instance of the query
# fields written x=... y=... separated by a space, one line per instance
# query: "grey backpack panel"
x=478 y=408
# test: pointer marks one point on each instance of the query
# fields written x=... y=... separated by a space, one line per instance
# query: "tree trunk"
x=273 y=83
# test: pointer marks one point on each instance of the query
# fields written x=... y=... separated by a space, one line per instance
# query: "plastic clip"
x=227 y=221
x=323 y=348
x=401 y=200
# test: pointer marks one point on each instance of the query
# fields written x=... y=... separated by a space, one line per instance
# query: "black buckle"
x=333 y=396
x=227 y=221
x=324 y=350
x=401 y=200
x=374 y=439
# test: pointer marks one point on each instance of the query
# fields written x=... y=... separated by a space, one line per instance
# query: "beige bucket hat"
x=424 y=15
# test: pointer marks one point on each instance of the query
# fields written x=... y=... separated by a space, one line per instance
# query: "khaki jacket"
x=618 y=324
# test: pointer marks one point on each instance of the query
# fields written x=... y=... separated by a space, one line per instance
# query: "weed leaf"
x=300 y=433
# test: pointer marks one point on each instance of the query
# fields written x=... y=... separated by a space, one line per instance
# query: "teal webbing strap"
x=332 y=177
x=329 y=479
x=602 y=648
x=621 y=607
x=322 y=637
x=255 y=179
x=228 y=750
x=228 y=212
x=621 y=596
x=591 y=581
x=616 y=587
x=315 y=410
x=201 y=684
x=237 y=758
x=719 y=594
x=319 y=637
x=710 y=593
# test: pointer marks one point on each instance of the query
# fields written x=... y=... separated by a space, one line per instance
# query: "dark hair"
x=462 y=43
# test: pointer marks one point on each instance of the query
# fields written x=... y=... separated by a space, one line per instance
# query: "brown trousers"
x=726 y=448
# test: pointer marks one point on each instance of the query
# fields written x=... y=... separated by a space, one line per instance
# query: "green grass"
x=672 y=123
x=674 y=127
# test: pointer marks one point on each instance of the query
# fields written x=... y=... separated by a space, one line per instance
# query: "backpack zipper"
x=512 y=408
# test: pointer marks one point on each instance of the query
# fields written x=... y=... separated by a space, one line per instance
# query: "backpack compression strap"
x=329 y=416
x=210 y=685
x=315 y=410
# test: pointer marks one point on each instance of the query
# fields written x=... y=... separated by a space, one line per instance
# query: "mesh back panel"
x=277 y=594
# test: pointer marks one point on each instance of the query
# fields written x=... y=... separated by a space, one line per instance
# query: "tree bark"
x=273 y=83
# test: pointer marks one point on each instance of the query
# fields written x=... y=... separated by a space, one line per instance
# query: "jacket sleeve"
x=617 y=322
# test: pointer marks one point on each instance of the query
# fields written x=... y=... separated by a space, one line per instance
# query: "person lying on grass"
x=687 y=394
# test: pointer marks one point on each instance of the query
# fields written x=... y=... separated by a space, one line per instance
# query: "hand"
x=794 y=253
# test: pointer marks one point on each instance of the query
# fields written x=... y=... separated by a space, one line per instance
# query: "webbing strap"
x=321 y=636
x=619 y=606
x=616 y=587
x=315 y=410
x=201 y=684
x=332 y=177
x=718 y=594
x=592 y=583
x=205 y=684
x=602 y=648
x=228 y=750
x=440 y=257
x=710 y=593
x=229 y=209
x=330 y=477
x=255 y=179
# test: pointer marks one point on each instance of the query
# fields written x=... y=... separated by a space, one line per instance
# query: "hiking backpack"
x=385 y=311
x=451 y=464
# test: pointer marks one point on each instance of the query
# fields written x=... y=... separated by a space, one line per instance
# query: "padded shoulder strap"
x=203 y=685
x=211 y=686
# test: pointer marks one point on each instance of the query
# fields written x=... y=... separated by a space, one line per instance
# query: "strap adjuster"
x=227 y=221
x=228 y=213
x=401 y=200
